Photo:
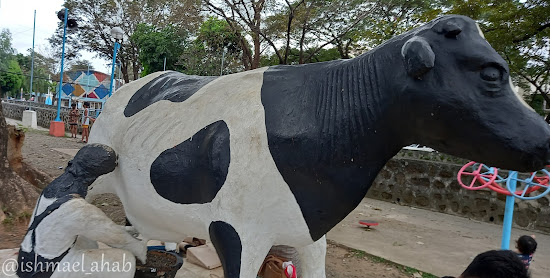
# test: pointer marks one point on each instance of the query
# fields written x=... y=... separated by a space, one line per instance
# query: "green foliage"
x=155 y=44
x=358 y=253
x=6 y=50
x=10 y=80
x=396 y=17
x=216 y=34
x=97 y=17
x=536 y=101
x=215 y=42
x=41 y=72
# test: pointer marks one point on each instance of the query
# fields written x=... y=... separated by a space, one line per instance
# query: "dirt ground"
x=341 y=262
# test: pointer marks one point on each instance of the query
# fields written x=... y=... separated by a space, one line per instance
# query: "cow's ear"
x=418 y=56
x=450 y=28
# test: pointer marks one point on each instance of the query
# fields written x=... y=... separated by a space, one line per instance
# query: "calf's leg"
x=312 y=259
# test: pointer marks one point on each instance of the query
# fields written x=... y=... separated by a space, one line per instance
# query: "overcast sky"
x=17 y=16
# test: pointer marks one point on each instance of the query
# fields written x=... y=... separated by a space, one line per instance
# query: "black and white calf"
x=61 y=240
x=280 y=155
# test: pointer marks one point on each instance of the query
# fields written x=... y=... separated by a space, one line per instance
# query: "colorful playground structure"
x=476 y=176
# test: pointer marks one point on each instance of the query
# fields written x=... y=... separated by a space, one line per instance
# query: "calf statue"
x=280 y=155
x=61 y=238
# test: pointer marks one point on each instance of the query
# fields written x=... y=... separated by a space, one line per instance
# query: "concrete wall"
x=433 y=186
x=44 y=113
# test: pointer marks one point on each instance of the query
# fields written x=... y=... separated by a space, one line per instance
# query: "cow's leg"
x=241 y=257
x=312 y=259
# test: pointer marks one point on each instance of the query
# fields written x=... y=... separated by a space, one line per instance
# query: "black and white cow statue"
x=280 y=155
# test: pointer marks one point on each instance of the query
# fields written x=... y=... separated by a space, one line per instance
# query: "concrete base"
x=29 y=119
x=57 y=129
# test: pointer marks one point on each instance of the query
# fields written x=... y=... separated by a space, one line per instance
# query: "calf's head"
x=458 y=98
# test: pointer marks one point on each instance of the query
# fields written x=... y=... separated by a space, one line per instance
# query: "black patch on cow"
x=316 y=125
x=172 y=86
x=228 y=246
x=194 y=171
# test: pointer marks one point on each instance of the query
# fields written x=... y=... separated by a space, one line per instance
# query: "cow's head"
x=459 y=98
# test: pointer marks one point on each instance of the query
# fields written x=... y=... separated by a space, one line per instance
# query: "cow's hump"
x=172 y=86
x=193 y=171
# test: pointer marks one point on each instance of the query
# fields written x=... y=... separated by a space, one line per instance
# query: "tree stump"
x=17 y=196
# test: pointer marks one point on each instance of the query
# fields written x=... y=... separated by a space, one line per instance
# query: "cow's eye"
x=491 y=74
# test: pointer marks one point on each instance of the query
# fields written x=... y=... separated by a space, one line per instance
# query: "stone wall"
x=433 y=186
x=44 y=113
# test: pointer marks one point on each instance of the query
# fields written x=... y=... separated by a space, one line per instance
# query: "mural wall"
x=87 y=84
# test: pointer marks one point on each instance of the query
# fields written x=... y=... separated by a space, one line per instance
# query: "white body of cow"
x=255 y=199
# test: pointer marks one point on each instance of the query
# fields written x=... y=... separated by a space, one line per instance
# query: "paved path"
x=437 y=243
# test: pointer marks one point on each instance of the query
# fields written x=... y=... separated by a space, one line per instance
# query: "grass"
x=375 y=259
x=12 y=219
x=358 y=253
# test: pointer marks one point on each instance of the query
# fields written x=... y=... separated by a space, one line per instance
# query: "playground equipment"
x=476 y=176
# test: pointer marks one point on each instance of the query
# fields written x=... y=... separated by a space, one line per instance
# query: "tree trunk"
x=257 y=51
x=17 y=196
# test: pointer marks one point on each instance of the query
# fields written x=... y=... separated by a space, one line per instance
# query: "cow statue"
x=280 y=155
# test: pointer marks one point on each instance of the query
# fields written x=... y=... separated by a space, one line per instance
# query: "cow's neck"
x=357 y=114
x=331 y=129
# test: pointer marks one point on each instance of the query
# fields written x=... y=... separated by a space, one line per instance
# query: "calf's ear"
x=418 y=56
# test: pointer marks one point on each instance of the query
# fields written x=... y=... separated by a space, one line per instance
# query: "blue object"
x=32 y=59
x=68 y=89
x=117 y=45
x=57 y=118
x=530 y=182
x=509 y=211
x=156 y=247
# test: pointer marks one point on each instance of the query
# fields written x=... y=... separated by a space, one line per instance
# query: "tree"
x=398 y=16
x=156 y=44
x=11 y=79
x=72 y=42
x=243 y=16
x=6 y=50
x=10 y=72
x=215 y=44
x=80 y=65
x=17 y=196
x=97 y=18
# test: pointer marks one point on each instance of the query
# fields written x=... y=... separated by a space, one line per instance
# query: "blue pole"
x=113 y=69
x=57 y=118
x=509 y=212
x=32 y=58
